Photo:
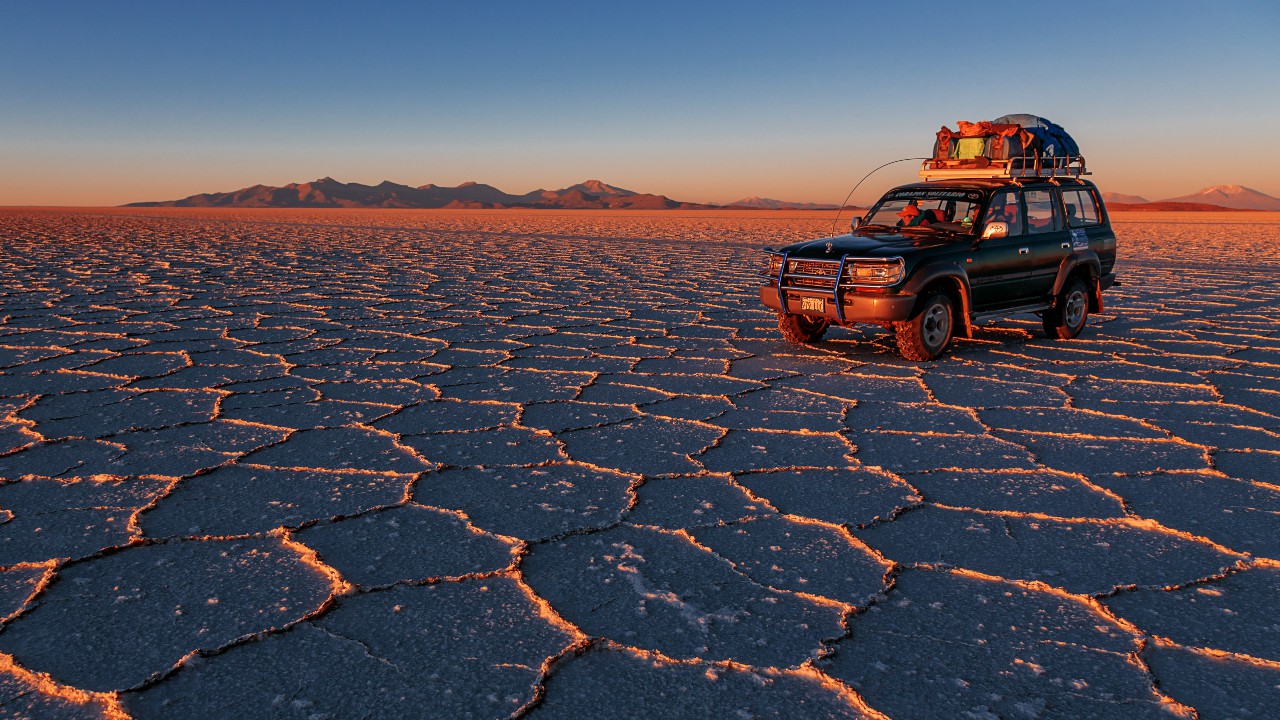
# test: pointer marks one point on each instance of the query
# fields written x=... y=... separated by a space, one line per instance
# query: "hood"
x=885 y=245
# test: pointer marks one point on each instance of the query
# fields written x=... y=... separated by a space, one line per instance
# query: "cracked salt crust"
x=533 y=464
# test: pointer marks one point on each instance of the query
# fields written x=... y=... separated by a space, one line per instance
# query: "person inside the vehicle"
x=910 y=215
x=1073 y=218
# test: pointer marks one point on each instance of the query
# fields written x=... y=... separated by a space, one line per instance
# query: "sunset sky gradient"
x=708 y=102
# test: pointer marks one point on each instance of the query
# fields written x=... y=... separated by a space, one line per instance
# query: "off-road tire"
x=926 y=335
x=1070 y=311
x=801 y=329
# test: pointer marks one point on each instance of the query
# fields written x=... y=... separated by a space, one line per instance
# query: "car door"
x=998 y=268
x=1084 y=223
x=1048 y=242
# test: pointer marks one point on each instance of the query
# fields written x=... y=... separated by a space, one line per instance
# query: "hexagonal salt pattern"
x=512 y=464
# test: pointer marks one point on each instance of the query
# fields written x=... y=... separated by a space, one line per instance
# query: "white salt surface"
x=489 y=464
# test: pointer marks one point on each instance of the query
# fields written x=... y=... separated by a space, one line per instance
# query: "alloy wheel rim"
x=936 y=325
x=1074 y=311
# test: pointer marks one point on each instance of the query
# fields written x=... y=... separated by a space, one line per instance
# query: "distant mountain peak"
x=598 y=187
x=1232 y=196
x=764 y=203
x=1114 y=197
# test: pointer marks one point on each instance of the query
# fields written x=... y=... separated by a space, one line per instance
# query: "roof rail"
x=1026 y=166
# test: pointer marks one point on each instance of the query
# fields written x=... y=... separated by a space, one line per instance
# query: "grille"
x=827 y=271
x=808 y=282
x=813 y=267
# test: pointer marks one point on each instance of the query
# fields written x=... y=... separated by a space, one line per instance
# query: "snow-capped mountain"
x=1232 y=196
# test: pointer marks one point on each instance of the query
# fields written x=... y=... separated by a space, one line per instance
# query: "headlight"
x=773 y=265
x=874 y=273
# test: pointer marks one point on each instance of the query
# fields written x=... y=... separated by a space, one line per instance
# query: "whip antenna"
x=855 y=188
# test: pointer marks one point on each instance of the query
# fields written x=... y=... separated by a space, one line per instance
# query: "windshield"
x=953 y=210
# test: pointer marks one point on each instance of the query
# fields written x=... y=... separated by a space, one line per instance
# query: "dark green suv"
x=932 y=259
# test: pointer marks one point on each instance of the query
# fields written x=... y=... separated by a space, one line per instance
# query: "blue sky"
x=106 y=104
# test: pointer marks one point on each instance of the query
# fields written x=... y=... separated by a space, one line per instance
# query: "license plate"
x=813 y=304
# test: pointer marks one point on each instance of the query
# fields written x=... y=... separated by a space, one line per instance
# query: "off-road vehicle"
x=973 y=241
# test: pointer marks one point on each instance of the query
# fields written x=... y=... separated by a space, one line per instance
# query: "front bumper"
x=856 y=308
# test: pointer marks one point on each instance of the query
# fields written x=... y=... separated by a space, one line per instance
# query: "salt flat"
x=373 y=464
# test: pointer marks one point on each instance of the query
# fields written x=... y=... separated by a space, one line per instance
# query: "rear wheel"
x=926 y=335
x=802 y=329
x=1066 y=319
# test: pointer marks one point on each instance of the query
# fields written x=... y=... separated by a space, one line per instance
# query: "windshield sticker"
x=1079 y=241
x=935 y=194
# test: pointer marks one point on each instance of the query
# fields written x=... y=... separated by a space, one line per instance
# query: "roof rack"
x=1016 y=167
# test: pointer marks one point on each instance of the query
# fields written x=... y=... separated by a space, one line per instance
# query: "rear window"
x=1081 y=207
x=1042 y=211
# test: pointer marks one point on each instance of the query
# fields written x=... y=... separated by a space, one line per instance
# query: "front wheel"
x=1067 y=317
x=926 y=335
x=801 y=329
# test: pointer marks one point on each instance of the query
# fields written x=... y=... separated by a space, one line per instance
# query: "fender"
x=1087 y=259
x=950 y=272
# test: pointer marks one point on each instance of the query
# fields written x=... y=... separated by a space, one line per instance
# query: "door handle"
x=1023 y=251
x=1066 y=246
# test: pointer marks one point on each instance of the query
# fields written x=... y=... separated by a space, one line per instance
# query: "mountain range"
x=330 y=193
x=1216 y=197
x=595 y=194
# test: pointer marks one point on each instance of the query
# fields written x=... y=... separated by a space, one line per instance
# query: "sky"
x=109 y=103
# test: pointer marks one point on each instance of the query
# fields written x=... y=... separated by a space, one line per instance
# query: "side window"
x=1042 y=212
x=1082 y=209
x=1004 y=208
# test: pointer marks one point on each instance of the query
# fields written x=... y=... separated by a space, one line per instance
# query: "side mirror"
x=995 y=230
x=855 y=223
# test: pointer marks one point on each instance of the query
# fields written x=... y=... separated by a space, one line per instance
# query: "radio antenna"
x=855 y=188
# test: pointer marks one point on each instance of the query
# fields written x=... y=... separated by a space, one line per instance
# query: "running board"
x=1005 y=312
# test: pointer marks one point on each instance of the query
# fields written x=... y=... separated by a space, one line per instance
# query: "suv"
x=932 y=259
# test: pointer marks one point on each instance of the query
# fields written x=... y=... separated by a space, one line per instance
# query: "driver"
x=910 y=215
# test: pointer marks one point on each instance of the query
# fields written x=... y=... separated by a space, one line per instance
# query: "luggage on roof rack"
x=1009 y=146
x=1055 y=140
